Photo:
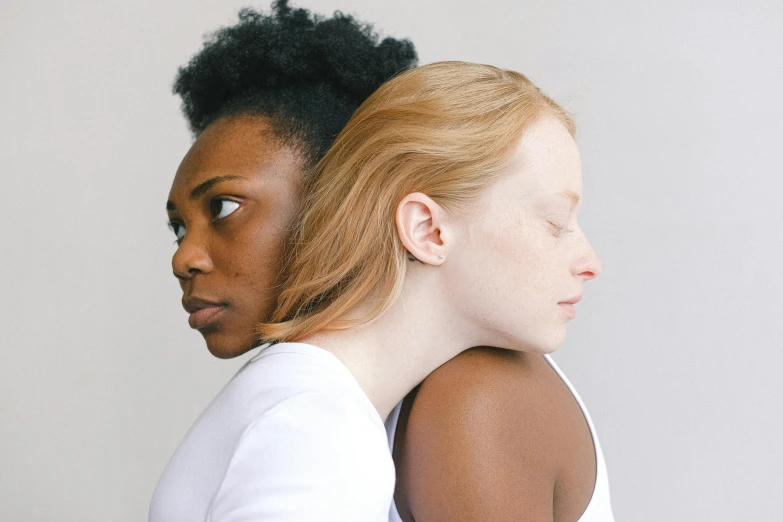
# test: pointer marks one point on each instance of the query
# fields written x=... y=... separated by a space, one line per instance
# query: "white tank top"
x=598 y=510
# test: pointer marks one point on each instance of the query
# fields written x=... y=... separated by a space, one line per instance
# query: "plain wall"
x=677 y=349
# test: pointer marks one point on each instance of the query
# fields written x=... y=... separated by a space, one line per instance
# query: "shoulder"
x=290 y=376
x=484 y=437
x=300 y=457
x=487 y=385
x=317 y=427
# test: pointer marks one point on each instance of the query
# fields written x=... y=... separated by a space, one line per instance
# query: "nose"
x=588 y=265
x=191 y=258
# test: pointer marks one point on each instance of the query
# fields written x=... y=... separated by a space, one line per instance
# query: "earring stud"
x=440 y=257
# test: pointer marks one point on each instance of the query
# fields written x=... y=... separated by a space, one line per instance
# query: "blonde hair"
x=445 y=130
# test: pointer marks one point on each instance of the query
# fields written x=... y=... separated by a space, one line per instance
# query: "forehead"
x=241 y=146
x=547 y=160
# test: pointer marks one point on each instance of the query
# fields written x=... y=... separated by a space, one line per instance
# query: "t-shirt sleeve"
x=309 y=458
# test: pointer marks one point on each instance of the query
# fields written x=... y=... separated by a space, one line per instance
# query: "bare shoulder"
x=486 y=438
x=488 y=387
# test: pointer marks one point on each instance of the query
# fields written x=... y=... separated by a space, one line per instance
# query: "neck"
x=391 y=355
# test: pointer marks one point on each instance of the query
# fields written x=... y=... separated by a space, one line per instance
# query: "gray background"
x=677 y=347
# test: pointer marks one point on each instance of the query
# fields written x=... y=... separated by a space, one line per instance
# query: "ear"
x=421 y=227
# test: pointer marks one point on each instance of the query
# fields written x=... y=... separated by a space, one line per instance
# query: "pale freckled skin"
x=510 y=229
x=495 y=434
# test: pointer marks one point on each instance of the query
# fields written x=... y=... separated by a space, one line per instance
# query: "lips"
x=203 y=312
x=568 y=306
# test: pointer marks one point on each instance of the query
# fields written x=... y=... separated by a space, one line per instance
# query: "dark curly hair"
x=305 y=73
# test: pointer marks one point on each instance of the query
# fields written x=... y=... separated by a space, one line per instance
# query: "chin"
x=226 y=346
x=549 y=348
x=553 y=342
x=547 y=343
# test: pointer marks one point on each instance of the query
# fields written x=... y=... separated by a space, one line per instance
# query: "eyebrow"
x=569 y=194
x=202 y=189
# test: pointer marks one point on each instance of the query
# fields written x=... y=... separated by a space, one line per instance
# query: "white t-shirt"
x=291 y=438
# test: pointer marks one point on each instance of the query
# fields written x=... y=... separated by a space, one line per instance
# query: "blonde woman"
x=443 y=217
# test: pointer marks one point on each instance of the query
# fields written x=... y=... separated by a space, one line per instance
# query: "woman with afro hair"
x=265 y=99
x=291 y=437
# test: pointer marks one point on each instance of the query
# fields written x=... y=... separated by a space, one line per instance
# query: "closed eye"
x=557 y=230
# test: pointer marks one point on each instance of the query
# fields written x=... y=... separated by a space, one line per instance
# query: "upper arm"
x=307 y=459
x=479 y=446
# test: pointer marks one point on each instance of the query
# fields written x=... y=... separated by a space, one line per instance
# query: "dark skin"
x=493 y=435
x=231 y=202
x=490 y=435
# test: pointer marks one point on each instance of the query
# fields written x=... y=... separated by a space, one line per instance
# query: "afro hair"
x=305 y=73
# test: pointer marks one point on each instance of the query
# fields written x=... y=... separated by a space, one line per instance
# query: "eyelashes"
x=219 y=208
x=222 y=208
x=178 y=229
x=558 y=230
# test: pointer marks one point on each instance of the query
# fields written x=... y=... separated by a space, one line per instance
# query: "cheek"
x=250 y=258
x=262 y=255
x=518 y=259
x=250 y=271
x=512 y=249
x=527 y=269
